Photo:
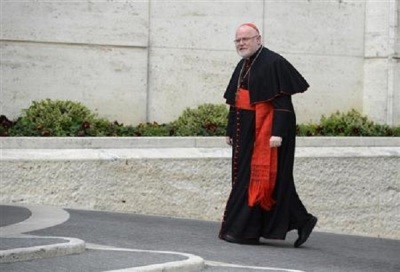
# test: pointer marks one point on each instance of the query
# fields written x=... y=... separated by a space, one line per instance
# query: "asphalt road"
x=149 y=235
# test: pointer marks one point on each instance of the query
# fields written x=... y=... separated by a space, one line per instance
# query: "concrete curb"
x=71 y=246
x=39 y=220
x=178 y=142
x=193 y=263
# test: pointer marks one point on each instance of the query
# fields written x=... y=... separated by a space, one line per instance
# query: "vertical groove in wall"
x=263 y=19
x=392 y=38
x=363 y=93
x=1 y=59
x=365 y=32
x=148 y=61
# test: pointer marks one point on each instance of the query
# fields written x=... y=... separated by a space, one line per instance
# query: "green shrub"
x=103 y=127
x=205 y=120
x=5 y=125
x=67 y=118
x=308 y=130
x=64 y=118
x=53 y=118
x=351 y=123
x=154 y=129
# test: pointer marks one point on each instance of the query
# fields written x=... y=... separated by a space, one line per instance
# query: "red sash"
x=264 y=160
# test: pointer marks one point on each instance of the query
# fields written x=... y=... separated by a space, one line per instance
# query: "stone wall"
x=136 y=61
x=351 y=184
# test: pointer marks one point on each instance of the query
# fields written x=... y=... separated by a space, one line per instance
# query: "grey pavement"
x=34 y=238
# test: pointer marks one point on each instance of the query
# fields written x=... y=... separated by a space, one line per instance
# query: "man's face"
x=247 y=41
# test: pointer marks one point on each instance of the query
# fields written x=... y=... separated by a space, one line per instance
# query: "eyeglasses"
x=245 y=40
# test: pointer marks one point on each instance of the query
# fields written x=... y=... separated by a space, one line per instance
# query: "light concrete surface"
x=138 y=61
x=170 y=94
x=85 y=22
x=352 y=189
x=340 y=35
x=381 y=54
x=75 y=73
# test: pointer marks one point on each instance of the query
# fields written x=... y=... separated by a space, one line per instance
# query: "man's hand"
x=275 y=141
x=228 y=140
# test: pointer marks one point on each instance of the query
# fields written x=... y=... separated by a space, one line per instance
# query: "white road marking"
x=210 y=263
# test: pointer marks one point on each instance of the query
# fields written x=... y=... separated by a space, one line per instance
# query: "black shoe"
x=242 y=241
x=305 y=231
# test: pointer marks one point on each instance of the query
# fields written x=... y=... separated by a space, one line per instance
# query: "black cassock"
x=269 y=78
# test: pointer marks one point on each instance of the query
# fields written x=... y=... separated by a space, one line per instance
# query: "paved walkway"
x=53 y=239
